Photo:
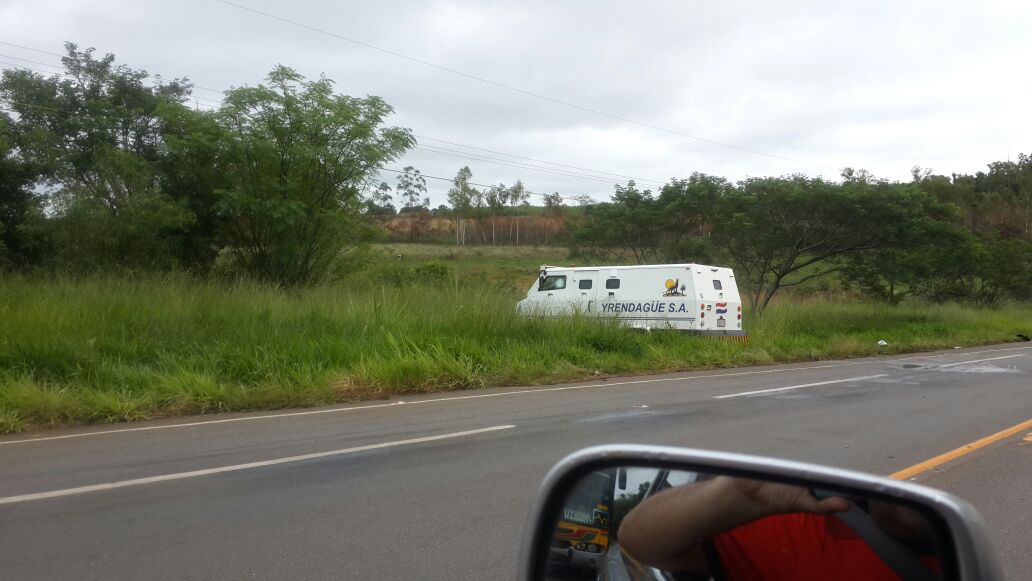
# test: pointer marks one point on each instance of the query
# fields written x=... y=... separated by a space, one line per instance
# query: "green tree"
x=517 y=197
x=95 y=134
x=380 y=202
x=630 y=223
x=463 y=198
x=19 y=207
x=989 y=271
x=782 y=232
x=925 y=267
x=687 y=208
x=298 y=157
x=190 y=172
x=412 y=189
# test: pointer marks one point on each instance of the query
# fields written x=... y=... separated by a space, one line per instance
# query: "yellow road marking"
x=1028 y=438
x=961 y=451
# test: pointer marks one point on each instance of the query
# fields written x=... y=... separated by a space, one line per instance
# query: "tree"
x=462 y=197
x=925 y=267
x=298 y=158
x=379 y=202
x=781 y=232
x=554 y=204
x=190 y=172
x=516 y=196
x=687 y=208
x=19 y=207
x=412 y=189
x=631 y=222
x=95 y=136
x=496 y=198
x=554 y=209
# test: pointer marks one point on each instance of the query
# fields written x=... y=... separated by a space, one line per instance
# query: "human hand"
x=767 y=498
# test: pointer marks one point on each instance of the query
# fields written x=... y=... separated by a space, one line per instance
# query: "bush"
x=433 y=271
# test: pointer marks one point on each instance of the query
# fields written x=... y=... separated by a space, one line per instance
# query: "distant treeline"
x=964 y=238
x=106 y=167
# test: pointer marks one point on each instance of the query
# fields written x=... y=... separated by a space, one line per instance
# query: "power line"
x=496 y=161
x=488 y=158
x=33 y=49
x=30 y=61
x=526 y=191
x=519 y=90
x=422 y=137
x=524 y=165
x=64 y=56
x=23 y=67
x=432 y=149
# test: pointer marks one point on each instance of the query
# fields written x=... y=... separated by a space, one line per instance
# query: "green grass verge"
x=111 y=349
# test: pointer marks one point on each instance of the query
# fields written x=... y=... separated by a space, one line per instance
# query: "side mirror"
x=649 y=512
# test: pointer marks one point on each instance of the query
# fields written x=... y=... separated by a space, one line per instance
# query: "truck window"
x=612 y=283
x=717 y=285
x=584 y=284
x=554 y=282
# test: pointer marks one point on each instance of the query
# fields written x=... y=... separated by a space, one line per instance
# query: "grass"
x=513 y=267
x=112 y=349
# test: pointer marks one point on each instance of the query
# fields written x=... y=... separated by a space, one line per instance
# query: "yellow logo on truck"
x=671 y=288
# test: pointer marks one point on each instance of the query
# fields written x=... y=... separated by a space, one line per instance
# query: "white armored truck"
x=692 y=298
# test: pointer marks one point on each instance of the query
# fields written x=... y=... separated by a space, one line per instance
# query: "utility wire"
x=425 y=138
x=522 y=164
x=452 y=180
x=496 y=161
x=33 y=49
x=64 y=56
x=508 y=162
x=517 y=89
x=433 y=149
x=7 y=56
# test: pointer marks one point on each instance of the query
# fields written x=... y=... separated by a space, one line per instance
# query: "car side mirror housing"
x=633 y=512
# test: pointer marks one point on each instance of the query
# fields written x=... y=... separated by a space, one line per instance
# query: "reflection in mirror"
x=652 y=523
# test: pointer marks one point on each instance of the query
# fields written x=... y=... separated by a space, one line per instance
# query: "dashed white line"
x=791 y=387
x=978 y=361
x=238 y=467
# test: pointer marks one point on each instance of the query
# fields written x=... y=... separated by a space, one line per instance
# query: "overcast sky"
x=877 y=85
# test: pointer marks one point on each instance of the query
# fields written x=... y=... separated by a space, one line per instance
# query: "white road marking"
x=979 y=361
x=425 y=401
x=791 y=387
x=238 y=467
x=477 y=396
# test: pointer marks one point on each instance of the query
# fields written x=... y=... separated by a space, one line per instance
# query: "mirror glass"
x=651 y=523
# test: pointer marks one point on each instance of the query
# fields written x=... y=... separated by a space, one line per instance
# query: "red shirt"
x=798 y=546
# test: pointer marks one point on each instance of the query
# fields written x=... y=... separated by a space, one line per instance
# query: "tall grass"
x=107 y=349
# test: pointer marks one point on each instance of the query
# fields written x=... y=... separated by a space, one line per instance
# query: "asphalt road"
x=439 y=487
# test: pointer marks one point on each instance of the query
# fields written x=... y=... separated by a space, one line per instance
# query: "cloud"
x=879 y=85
